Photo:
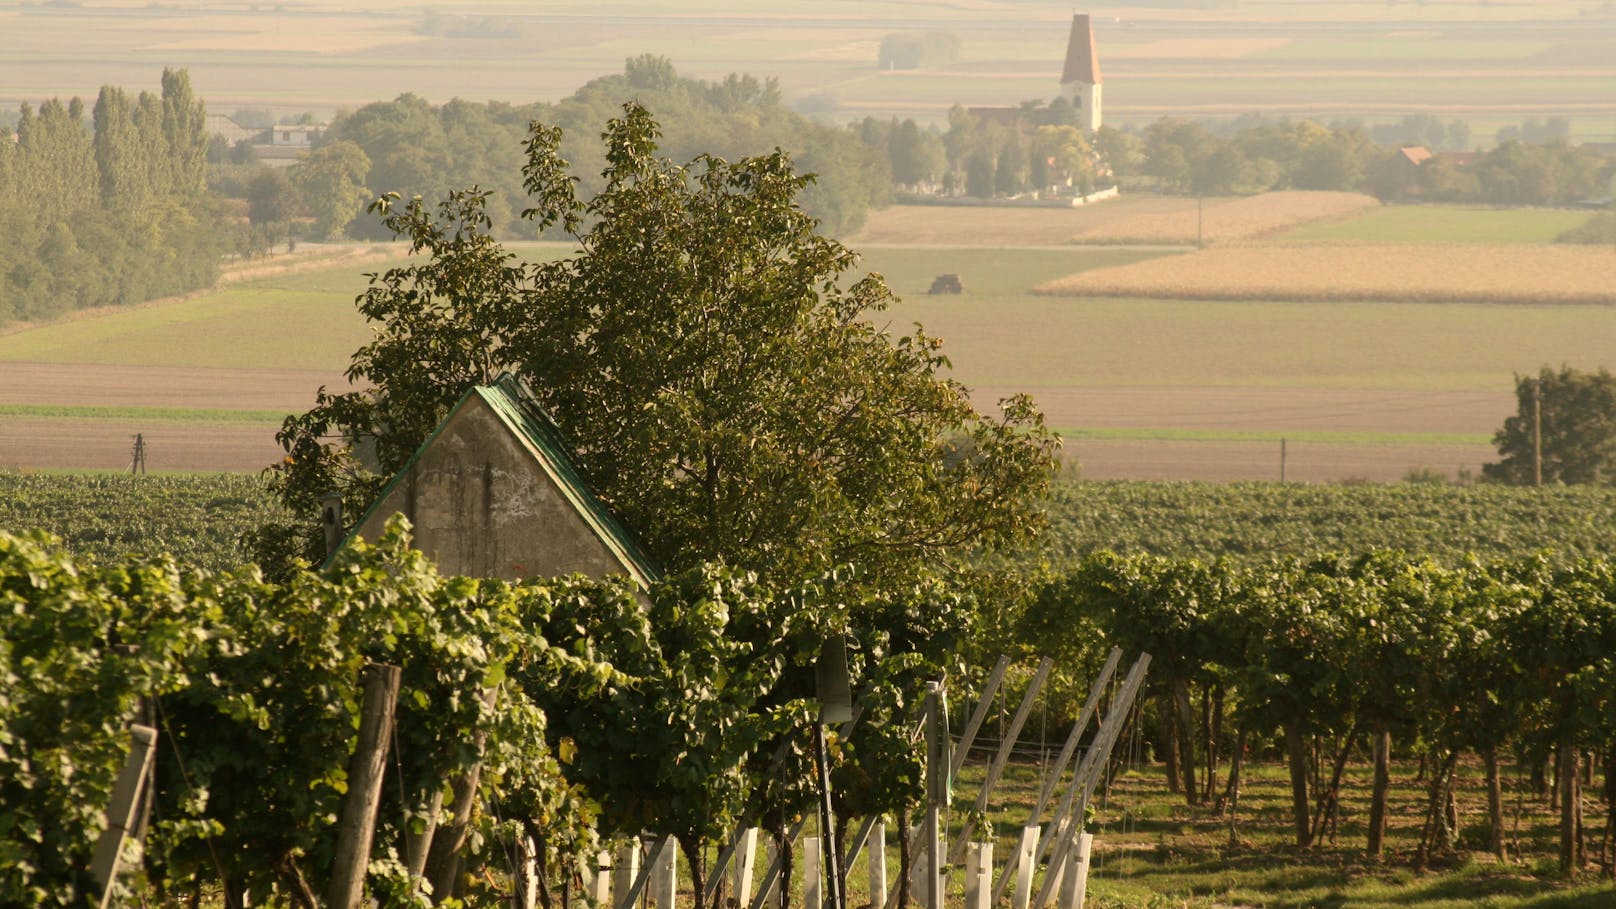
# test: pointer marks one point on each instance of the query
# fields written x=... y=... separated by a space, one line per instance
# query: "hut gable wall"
x=484 y=505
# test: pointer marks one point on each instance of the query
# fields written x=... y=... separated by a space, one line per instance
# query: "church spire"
x=1082 y=63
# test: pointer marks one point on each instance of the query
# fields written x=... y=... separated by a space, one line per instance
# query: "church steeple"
x=1080 y=79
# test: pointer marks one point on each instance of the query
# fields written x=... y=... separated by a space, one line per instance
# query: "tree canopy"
x=1575 y=413
x=730 y=388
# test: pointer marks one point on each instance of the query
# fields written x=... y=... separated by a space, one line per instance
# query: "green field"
x=1446 y=224
x=996 y=333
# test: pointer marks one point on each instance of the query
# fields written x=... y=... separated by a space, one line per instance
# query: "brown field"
x=1305 y=462
x=1384 y=411
x=1366 y=272
x=104 y=444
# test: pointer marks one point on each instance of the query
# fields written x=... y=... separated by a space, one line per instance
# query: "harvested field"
x=1226 y=220
x=1459 y=273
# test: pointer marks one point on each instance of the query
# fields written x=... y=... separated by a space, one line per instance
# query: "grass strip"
x=155 y=414
x=1267 y=435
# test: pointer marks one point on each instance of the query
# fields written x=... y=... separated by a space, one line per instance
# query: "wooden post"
x=983 y=705
x=625 y=872
x=443 y=861
x=979 y=876
x=878 y=864
x=996 y=769
x=122 y=811
x=813 y=891
x=936 y=796
x=1067 y=752
x=331 y=521
x=1027 y=858
x=365 y=772
x=1069 y=817
x=416 y=847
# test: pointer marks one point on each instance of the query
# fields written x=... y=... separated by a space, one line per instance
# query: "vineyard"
x=1253 y=521
x=197 y=519
x=568 y=712
x=1321 y=662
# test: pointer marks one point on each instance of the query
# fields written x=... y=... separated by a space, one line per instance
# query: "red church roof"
x=1082 y=63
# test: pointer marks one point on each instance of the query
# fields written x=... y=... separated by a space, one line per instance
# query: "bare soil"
x=84 y=385
x=1243 y=409
x=107 y=444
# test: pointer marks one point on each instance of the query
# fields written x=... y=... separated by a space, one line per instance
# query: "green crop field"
x=1446 y=224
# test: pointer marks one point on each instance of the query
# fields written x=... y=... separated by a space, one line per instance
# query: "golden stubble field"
x=1427 y=273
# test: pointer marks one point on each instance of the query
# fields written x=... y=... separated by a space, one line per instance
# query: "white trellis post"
x=979 y=876
x=813 y=895
x=601 y=891
x=1074 y=887
x=745 y=859
x=1027 y=856
x=625 y=872
x=665 y=876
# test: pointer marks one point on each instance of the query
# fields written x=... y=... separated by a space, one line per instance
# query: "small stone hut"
x=496 y=492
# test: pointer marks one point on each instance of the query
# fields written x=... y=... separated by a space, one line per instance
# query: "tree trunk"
x=1184 y=713
x=1296 y=752
x=1231 y=795
x=904 y=862
x=1495 y=801
x=1164 y=712
x=691 y=847
x=1570 y=807
x=1382 y=784
x=1211 y=723
x=1331 y=792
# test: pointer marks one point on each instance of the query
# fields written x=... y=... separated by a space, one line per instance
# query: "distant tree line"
x=106 y=206
x=1037 y=147
x=413 y=147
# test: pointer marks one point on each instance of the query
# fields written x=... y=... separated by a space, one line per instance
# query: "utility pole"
x=1537 y=431
x=1281 y=460
x=137 y=460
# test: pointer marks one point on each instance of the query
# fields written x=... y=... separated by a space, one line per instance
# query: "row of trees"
x=105 y=206
x=412 y=147
x=1379 y=653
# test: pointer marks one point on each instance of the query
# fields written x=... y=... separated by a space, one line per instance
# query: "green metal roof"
x=520 y=411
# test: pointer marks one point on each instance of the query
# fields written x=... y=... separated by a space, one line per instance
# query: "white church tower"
x=1080 y=80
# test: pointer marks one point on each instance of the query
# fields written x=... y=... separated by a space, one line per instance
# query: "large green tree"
x=731 y=389
x=1565 y=424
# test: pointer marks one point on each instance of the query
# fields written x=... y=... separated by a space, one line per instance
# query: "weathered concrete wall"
x=482 y=506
